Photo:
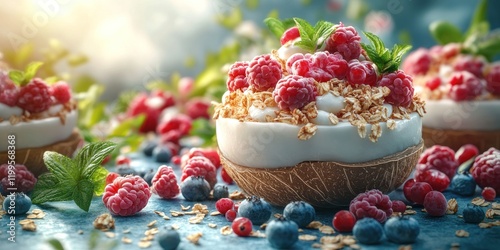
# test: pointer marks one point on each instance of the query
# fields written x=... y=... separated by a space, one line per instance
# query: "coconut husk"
x=32 y=158
x=454 y=139
x=324 y=184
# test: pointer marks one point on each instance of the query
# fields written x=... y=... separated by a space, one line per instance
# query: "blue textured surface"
x=63 y=220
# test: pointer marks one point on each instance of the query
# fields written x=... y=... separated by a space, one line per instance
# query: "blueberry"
x=220 y=191
x=147 y=147
x=195 y=188
x=125 y=170
x=169 y=239
x=463 y=184
x=300 y=212
x=18 y=203
x=148 y=177
x=282 y=233
x=162 y=154
x=368 y=231
x=473 y=214
x=255 y=209
x=402 y=229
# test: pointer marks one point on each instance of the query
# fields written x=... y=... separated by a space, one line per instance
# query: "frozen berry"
x=16 y=204
x=147 y=147
x=111 y=177
x=165 y=183
x=290 y=35
x=441 y=158
x=225 y=176
x=172 y=136
x=407 y=188
x=398 y=206
x=200 y=166
x=343 y=221
x=124 y=170
x=169 y=239
x=418 y=192
x=209 y=153
x=61 y=92
x=242 y=226
x=433 y=83
x=255 y=209
x=361 y=72
x=489 y=194
x=473 y=214
x=418 y=62
x=368 y=231
x=180 y=122
x=346 y=41
x=237 y=77
x=332 y=66
x=300 y=212
x=465 y=86
x=126 y=196
x=223 y=205
x=402 y=229
x=463 y=184
x=469 y=63
x=263 y=72
x=148 y=177
x=122 y=160
x=24 y=180
x=198 y=108
x=437 y=179
x=195 y=188
x=465 y=153
x=294 y=91
x=435 y=203
x=493 y=79
x=486 y=169
x=162 y=154
x=9 y=92
x=372 y=203
x=140 y=106
x=35 y=96
x=220 y=191
x=401 y=86
x=230 y=215
x=282 y=233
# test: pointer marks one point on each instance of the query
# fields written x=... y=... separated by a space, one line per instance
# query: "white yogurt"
x=7 y=111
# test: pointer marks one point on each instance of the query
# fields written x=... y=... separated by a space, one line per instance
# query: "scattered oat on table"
x=410 y=212
x=263 y=226
x=326 y=229
x=257 y=234
x=308 y=237
x=405 y=247
x=226 y=230
x=104 y=222
x=175 y=227
x=152 y=223
x=314 y=225
x=126 y=240
x=195 y=238
x=196 y=219
x=478 y=201
x=200 y=208
x=237 y=195
x=452 y=206
x=151 y=231
x=495 y=205
x=110 y=234
x=462 y=233
x=215 y=213
x=212 y=225
x=28 y=225
x=176 y=213
x=183 y=208
x=144 y=244
x=490 y=213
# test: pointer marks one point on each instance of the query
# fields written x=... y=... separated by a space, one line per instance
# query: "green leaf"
x=275 y=26
x=305 y=29
x=49 y=188
x=83 y=193
x=31 y=70
x=306 y=44
x=445 y=32
x=61 y=167
x=489 y=47
x=127 y=126
x=55 y=244
x=89 y=158
x=386 y=60
x=99 y=180
x=479 y=22
x=17 y=76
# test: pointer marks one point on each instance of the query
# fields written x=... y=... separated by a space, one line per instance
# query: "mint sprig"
x=386 y=60
x=75 y=179
x=22 y=78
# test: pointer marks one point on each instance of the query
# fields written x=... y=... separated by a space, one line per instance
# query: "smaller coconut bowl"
x=454 y=139
x=324 y=184
x=32 y=158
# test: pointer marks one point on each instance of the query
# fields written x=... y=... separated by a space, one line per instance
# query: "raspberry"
x=441 y=158
x=343 y=221
x=35 y=96
x=332 y=64
x=418 y=192
x=464 y=86
x=24 y=180
x=361 y=72
x=471 y=64
x=346 y=41
x=435 y=203
x=225 y=177
x=160 y=100
x=465 y=153
x=172 y=136
x=198 y=108
x=296 y=57
x=237 y=77
x=242 y=226
x=401 y=86
x=492 y=80
x=373 y=204
x=398 y=206
x=122 y=160
x=407 y=189
x=489 y=194
x=210 y=154
x=61 y=92
x=263 y=72
x=200 y=166
x=180 y=122
x=9 y=93
x=126 y=195
x=437 y=179
x=486 y=169
x=418 y=62
x=138 y=106
x=165 y=183
x=294 y=91
x=290 y=35
x=433 y=83
x=111 y=177
x=223 y=205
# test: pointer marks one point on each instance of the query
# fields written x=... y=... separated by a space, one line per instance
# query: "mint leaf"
x=386 y=60
x=46 y=189
x=305 y=29
x=445 y=32
x=275 y=26
x=31 y=70
x=90 y=157
x=61 y=167
x=479 y=22
x=311 y=37
x=83 y=193
x=17 y=76
x=99 y=180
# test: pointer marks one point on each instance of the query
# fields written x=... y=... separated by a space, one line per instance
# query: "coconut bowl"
x=454 y=139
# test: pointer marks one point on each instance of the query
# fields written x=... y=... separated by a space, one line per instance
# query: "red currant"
x=437 y=179
x=465 y=153
x=176 y=159
x=242 y=226
x=398 y=206
x=223 y=205
x=290 y=35
x=418 y=192
x=230 y=215
x=343 y=221
x=489 y=193
x=435 y=203
x=407 y=187
x=122 y=160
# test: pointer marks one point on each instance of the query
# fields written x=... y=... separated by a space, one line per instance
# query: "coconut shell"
x=454 y=139
x=324 y=184
x=32 y=158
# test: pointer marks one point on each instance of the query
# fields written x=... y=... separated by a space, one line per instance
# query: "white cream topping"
x=464 y=115
x=330 y=103
x=288 y=49
x=273 y=145
x=7 y=111
x=260 y=114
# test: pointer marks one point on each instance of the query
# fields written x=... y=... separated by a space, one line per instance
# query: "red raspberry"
x=418 y=62
x=471 y=64
x=24 y=181
x=361 y=72
x=138 y=106
x=126 y=195
x=464 y=86
x=122 y=160
x=290 y=35
x=165 y=183
x=225 y=177
x=198 y=108
x=418 y=192
x=486 y=169
x=346 y=41
x=433 y=83
x=489 y=194
x=263 y=72
x=35 y=96
x=172 y=136
x=435 y=203
x=465 y=153
x=160 y=99
x=333 y=64
x=111 y=177
x=61 y=92
x=200 y=166
x=223 y=205
x=493 y=79
x=296 y=57
x=294 y=91
x=398 y=206
x=373 y=204
x=180 y=122
x=447 y=51
x=9 y=92
x=437 y=179
x=237 y=77
x=209 y=153
x=441 y=158
x=401 y=86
